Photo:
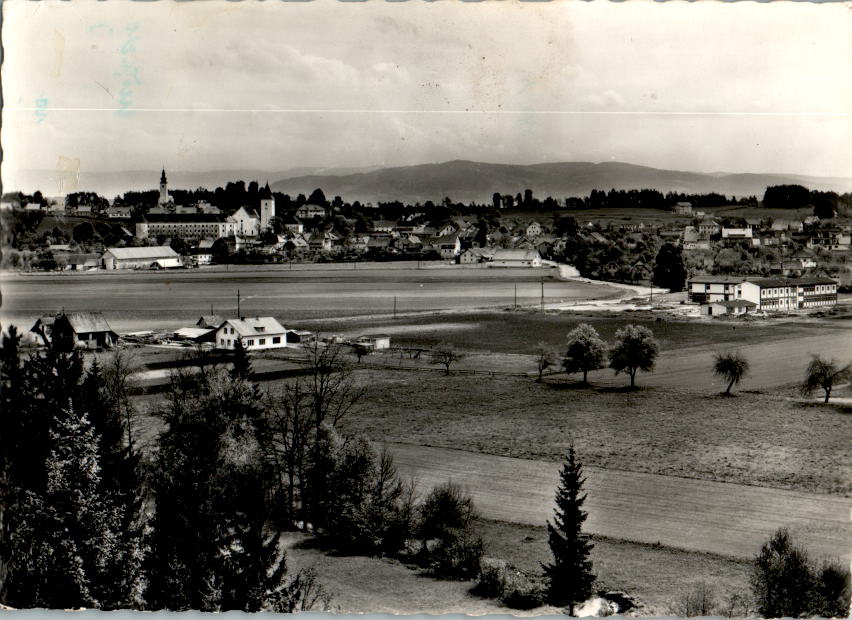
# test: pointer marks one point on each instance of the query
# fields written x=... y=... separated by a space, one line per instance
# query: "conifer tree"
x=569 y=577
x=210 y=549
x=64 y=539
x=241 y=368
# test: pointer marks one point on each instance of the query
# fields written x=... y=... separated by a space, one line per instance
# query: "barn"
x=150 y=257
x=89 y=330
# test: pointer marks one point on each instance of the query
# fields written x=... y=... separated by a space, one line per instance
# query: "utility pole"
x=394 y=306
x=238 y=304
x=542 y=295
x=516 y=296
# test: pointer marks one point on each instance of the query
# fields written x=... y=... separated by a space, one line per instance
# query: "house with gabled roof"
x=88 y=330
x=256 y=333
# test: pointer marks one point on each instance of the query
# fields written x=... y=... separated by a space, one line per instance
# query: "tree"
x=669 y=270
x=822 y=374
x=731 y=367
x=635 y=349
x=782 y=579
x=544 y=358
x=210 y=548
x=445 y=355
x=833 y=589
x=241 y=368
x=64 y=539
x=360 y=350
x=586 y=351
x=569 y=577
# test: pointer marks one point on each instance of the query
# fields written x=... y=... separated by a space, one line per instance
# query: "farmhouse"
x=153 y=257
x=789 y=294
x=475 y=255
x=516 y=258
x=84 y=329
x=683 y=208
x=256 y=333
x=78 y=261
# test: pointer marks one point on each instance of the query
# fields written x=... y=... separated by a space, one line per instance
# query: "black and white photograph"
x=407 y=307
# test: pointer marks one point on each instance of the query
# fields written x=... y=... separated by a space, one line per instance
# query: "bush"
x=446 y=509
x=699 y=600
x=457 y=556
x=510 y=586
x=786 y=583
x=493 y=579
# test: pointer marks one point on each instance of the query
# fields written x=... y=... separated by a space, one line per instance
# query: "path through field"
x=722 y=518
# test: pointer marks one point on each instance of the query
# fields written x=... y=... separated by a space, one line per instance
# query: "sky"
x=273 y=85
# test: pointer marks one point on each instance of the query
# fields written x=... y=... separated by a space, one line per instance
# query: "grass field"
x=521 y=331
x=732 y=520
x=759 y=439
x=655 y=576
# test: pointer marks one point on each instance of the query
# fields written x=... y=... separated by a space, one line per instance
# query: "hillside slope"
x=467 y=180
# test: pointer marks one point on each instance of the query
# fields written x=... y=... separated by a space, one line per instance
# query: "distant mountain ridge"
x=461 y=180
x=466 y=181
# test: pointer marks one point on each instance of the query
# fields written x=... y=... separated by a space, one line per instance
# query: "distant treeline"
x=824 y=204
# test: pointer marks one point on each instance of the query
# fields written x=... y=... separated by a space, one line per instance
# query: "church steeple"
x=164 y=188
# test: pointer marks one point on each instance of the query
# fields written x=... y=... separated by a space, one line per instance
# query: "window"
x=259 y=329
x=276 y=339
x=261 y=341
x=221 y=341
x=249 y=343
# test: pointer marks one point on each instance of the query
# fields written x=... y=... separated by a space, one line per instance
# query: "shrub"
x=510 y=586
x=493 y=579
x=523 y=592
x=699 y=600
x=457 y=556
x=447 y=508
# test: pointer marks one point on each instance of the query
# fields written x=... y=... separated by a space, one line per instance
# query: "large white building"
x=771 y=294
x=789 y=293
x=153 y=257
x=186 y=226
x=256 y=333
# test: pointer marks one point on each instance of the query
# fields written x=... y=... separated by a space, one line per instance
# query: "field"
x=135 y=301
x=757 y=439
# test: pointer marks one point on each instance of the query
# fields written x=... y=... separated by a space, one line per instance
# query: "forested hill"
x=466 y=181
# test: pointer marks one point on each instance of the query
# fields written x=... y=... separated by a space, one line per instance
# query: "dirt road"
x=722 y=518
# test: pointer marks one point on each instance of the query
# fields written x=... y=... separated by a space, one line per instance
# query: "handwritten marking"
x=41 y=109
x=129 y=73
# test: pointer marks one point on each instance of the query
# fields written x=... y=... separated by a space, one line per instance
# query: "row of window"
x=250 y=341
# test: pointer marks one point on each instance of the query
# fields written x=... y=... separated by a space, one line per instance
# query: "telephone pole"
x=238 y=304
x=516 y=296
x=542 y=295
x=394 y=306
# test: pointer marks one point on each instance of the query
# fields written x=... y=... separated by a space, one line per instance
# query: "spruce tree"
x=569 y=577
x=64 y=538
x=241 y=368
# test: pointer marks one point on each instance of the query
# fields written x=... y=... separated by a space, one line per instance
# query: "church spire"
x=163 y=176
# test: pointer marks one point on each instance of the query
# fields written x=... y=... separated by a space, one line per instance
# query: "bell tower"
x=267 y=207
x=164 y=188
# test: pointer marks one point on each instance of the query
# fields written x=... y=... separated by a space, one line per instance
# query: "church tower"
x=267 y=207
x=164 y=188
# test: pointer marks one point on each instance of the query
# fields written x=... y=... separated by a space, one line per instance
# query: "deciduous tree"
x=731 y=367
x=635 y=349
x=586 y=351
x=822 y=374
x=445 y=355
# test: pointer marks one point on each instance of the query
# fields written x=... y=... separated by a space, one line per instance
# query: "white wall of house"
x=226 y=338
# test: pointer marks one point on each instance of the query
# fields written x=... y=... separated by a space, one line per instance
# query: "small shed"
x=376 y=341
x=298 y=336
